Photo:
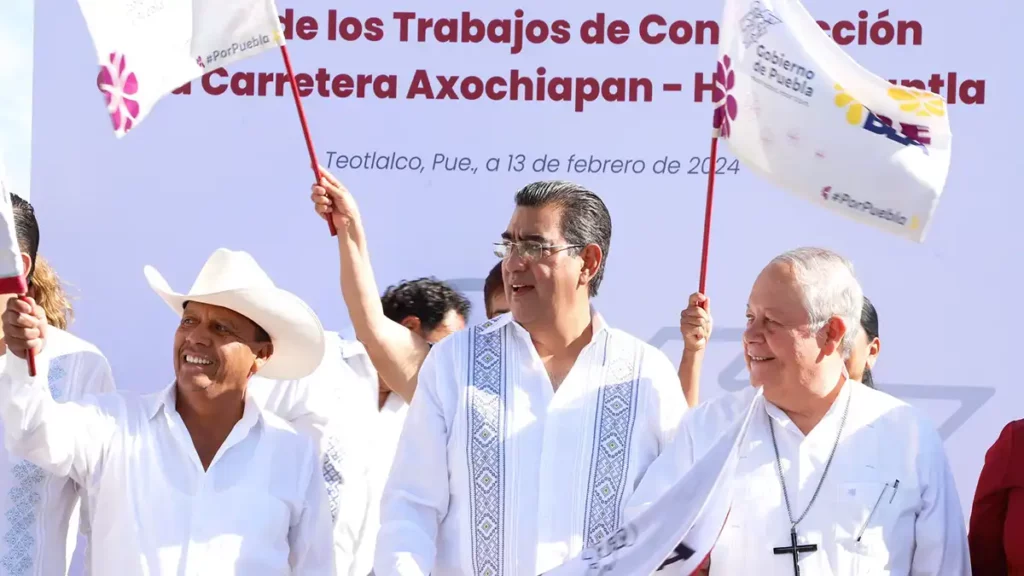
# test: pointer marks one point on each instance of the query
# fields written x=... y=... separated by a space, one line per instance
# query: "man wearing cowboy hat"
x=195 y=478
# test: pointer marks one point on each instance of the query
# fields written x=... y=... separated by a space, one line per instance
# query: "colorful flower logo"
x=118 y=84
x=920 y=102
x=725 y=104
x=855 y=111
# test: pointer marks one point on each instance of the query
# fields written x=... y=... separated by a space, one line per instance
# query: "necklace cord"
x=828 y=463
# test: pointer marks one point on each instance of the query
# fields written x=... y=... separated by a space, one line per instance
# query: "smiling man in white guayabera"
x=528 y=432
x=833 y=477
x=196 y=478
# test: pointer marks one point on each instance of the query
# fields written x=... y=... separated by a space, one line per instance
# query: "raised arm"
x=65 y=439
x=396 y=352
x=695 y=327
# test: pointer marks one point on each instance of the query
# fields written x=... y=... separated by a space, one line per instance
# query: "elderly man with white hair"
x=833 y=478
x=196 y=478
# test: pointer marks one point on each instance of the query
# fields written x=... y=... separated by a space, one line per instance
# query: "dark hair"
x=869 y=323
x=492 y=285
x=869 y=319
x=584 y=219
x=27 y=229
x=428 y=299
x=44 y=285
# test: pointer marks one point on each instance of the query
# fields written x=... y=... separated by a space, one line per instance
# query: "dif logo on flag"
x=147 y=49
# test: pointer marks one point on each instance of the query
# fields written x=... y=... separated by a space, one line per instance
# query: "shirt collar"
x=600 y=325
x=834 y=411
x=167 y=399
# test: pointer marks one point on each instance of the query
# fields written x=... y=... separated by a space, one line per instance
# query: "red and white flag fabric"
x=676 y=531
x=799 y=111
x=148 y=48
x=12 y=273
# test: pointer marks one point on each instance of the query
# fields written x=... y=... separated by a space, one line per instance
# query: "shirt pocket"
x=869 y=516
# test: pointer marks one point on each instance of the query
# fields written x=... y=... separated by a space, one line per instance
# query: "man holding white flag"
x=148 y=49
x=41 y=511
x=831 y=477
x=803 y=114
x=197 y=478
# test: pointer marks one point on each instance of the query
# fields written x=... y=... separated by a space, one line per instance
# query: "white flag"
x=12 y=280
x=148 y=48
x=802 y=113
x=679 y=529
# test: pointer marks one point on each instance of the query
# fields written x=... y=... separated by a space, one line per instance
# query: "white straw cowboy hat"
x=233 y=280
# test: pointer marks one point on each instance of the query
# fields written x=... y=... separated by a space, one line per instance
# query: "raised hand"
x=24 y=324
x=332 y=200
x=695 y=323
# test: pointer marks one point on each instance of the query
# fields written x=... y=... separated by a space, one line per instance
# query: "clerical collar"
x=834 y=411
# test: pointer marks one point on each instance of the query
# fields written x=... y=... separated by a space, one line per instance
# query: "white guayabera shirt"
x=39 y=508
x=335 y=406
x=260 y=508
x=499 y=474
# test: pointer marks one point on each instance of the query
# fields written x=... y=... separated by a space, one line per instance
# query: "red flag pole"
x=31 y=357
x=707 y=215
x=305 y=126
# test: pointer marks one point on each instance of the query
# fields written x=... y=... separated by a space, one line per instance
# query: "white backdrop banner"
x=16 y=28
x=434 y=116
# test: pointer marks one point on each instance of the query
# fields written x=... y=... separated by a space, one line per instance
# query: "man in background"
x=394 y=332
x=495 y=301
x=428 y=308
x=39 y=507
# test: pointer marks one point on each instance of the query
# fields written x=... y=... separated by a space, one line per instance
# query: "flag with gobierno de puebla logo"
x=148 y=48
x=800 y=112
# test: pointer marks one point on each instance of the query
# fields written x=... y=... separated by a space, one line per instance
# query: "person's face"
x=452 y=323
x=781 y=350
x=215 y=349
x=496 y=304
x=862 y=355
x=541 y=276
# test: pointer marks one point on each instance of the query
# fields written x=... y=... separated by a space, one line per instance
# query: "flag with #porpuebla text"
x=675 y=532
x=148 y=48
x=12 y=279
x=799 y=111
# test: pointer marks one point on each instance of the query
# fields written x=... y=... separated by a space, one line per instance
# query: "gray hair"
x=829 y=288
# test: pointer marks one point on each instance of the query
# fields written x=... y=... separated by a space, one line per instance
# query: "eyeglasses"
x=529 y=249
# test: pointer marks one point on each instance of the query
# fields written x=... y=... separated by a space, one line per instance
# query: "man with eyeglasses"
x=528 y=432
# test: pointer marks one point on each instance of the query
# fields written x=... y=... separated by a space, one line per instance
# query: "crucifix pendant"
x=795 y=549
